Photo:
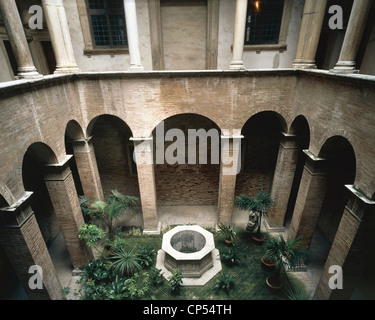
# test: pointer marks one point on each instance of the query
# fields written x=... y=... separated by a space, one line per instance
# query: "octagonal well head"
x=188 y=243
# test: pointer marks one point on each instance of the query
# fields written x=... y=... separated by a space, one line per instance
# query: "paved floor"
x=205 y=216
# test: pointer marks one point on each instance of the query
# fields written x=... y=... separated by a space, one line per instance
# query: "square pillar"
x=309 y=200
x=353 y=240
x=283 y=181
x=230 y=166
x=24 y=245
x=143 y=152
x=87 y=166
x=64 y=198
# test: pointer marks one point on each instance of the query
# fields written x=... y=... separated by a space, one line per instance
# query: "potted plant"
x=283 y=252
x=228 y=232
x=257 y=208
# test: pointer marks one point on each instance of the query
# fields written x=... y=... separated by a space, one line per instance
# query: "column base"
x=136 y=68
x=237 y=65
x=153 y=232
x=70 y=69
x=28 y=73
x=304 y=65
x=345 y=67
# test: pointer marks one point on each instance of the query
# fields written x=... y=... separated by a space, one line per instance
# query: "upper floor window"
x=263 y=21
x=107 y=20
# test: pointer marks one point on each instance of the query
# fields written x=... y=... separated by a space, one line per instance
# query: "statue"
x=253 y=221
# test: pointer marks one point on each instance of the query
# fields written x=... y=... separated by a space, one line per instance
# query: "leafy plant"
x=117 y=290
x=156 y=276
x=227 y=231
x=137 y=287
x=285 y=252
x=259 y=204
x=91 y=234
x=231 y=256
x=97 y=271
x=224 y=282
x=175 y=280
x=146 y=256
x=126 y=261
x=104 y=212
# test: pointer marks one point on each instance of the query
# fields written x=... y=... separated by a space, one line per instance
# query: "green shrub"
x=146 y=256
x=175 y=280
x=231 y=256
x=224 y=282
x=156 y=276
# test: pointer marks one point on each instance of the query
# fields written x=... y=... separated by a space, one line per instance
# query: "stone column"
x=311 y=27
x=133 y=37
x=239 y=35
x=64 y=198
x=352 y=243
x=17 y=39
x=310 y=199
x=60 y=36
x=143 y=151
x=88 y=168
x=230 y=166
x=24 y=245
x=283 y=181
x=353 y=37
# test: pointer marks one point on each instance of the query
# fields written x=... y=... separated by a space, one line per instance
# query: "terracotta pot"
x=267 y=263
x=272 y=285
x=258 y=239
x=228 y=242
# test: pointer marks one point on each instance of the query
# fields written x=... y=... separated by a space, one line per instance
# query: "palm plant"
x=228 y=232
x=284 y=252
x=126 y=261
x=104 y=212
x=259 y=204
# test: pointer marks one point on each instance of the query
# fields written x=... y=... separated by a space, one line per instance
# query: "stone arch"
x=260 y=147
x=301 y=128
x=192 y=178
x=340 y=170
x=280 y=118
x=74 y=130
x=173 y=113
x=114 y=154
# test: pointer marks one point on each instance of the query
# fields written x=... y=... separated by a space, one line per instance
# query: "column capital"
x=57 y=171
x=18 y=213
x=82 y=145
x=315 y=165
x=358 y=204
x=290 y=141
